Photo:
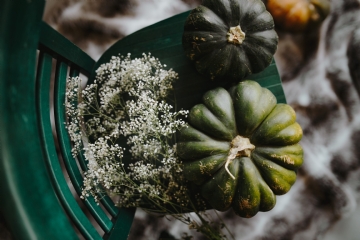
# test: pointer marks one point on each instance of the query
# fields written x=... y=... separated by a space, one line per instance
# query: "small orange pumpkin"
x=298 y=15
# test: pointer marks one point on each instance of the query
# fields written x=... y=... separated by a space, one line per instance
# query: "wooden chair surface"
x=36 y=200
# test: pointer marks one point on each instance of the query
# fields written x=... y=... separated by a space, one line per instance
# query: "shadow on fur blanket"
x=321 y=76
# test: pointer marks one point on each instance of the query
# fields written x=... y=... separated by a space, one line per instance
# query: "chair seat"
x=36 y=165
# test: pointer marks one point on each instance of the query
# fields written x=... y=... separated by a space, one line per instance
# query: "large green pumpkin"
x=242 y=148
x=230 y=39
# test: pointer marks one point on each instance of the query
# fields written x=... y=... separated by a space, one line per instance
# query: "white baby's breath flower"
x=126 y=107
x=126 y=103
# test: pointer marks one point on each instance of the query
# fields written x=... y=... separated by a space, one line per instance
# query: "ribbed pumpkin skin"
x=205 y=38
x=250 y=111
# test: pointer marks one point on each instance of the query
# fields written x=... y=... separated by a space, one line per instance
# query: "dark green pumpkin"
x=247 y=115
x=212 y=38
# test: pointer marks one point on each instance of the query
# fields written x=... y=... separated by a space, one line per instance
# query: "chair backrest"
x=37 y=199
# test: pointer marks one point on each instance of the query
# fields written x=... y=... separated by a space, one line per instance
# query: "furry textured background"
x=321 y=75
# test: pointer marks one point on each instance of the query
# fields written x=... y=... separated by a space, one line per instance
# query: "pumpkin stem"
x=235 y=35
x=240 y=147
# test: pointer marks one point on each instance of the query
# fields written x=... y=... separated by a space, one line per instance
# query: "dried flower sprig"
x=128 y=104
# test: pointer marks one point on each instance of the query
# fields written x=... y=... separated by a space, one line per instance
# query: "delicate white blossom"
x=130 y=130
x=126 y=104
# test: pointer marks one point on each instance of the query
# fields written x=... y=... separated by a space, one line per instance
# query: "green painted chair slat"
x=67 y=199
x=122 y=224
x=65 y=146
x=105 y=199
x=25 y=115
x=28 y=201
x=75 y=72
x=82 y=160
x=59 y=46
x=109 y=205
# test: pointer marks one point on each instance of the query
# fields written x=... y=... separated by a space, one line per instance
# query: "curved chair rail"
x=36 y=199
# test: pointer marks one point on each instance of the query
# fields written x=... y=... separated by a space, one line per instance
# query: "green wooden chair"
x=35 y=198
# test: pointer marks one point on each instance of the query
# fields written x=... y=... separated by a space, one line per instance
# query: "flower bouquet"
x=181 y=124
